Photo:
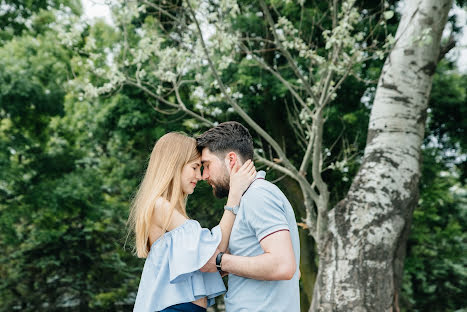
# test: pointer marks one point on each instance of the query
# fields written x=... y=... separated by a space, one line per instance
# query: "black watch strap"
x=219 y=260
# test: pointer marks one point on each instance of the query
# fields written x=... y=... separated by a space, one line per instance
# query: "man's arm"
x=277 y=262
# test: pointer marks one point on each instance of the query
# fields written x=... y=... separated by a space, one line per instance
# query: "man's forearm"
x=262 y=267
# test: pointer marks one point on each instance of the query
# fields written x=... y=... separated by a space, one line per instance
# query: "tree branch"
x=286 y=53
x=274 y=165
x=180 y=105
x=308 y=152
x=450 y=44
x=278 y=76
x=287 y=167
x=239 y=110
x=157 y=7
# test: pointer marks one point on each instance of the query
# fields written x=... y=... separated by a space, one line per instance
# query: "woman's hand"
x=241 y=178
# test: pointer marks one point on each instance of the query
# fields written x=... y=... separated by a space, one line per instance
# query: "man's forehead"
x=207 y=156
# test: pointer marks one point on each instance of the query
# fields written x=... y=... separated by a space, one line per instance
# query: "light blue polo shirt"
x=264 y=209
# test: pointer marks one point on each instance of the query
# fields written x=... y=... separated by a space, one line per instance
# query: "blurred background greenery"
x=70 y=166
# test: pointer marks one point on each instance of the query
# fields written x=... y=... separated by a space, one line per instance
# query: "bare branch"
x=180 y=105
x=316 y=167
x=279 y=179
x=160 y=9
x=275 y=166
x=237 y=108
x=286 y=53
x=338 y=84
x=316 y=134
x=298 y=128
x=278 y=76
x=448 y=46
x=308 y=152
x=179 y=99
x=247 y=39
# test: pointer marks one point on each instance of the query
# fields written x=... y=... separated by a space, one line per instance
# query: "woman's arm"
x=240 y=180
x=227 y=221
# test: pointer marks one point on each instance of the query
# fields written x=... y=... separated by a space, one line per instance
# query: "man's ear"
x=231 y=160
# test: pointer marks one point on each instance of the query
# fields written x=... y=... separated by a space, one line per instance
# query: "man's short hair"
x=227 y=136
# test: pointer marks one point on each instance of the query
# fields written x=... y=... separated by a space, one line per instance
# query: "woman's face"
x=191 y=174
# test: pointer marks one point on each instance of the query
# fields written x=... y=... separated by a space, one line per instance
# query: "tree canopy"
x=78 y=124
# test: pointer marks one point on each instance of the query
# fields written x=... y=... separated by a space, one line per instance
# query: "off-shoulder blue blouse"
x=171 y=272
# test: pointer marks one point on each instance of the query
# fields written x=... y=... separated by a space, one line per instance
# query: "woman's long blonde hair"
x=162 y=180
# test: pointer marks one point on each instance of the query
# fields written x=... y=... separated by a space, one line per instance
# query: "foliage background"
x=70 y=165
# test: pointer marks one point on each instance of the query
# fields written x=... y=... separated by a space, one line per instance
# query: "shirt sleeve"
x=191 y=247
x=264 y=212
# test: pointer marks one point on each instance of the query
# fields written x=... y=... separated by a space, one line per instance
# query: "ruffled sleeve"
x=191 y=247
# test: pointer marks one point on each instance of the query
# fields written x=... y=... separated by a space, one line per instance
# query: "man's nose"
x=205 y=174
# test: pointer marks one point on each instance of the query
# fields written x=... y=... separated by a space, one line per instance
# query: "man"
x=264 y=243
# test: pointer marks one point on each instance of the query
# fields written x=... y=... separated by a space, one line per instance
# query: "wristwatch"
x=233 y=209
x=218 y=261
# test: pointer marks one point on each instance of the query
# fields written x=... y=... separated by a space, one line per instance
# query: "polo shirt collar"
x=260 y=175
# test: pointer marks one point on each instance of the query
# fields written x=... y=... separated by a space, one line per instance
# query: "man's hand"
x=210 y=266
x=224 y=273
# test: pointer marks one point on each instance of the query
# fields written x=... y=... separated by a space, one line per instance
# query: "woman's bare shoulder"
x=163 y=211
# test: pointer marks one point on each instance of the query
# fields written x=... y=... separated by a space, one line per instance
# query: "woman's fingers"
x=248 y=165
x=252 y=168
x=237 y=170
x=245 y=166
x=248 y=169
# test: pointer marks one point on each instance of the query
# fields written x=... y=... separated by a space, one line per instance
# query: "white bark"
x=361 y=264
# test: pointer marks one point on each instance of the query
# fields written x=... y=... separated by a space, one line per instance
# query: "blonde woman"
x=176 y=247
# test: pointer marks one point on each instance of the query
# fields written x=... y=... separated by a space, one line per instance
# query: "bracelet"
x=218 y=261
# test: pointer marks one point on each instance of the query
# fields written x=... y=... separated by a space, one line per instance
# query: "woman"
x=174 y=246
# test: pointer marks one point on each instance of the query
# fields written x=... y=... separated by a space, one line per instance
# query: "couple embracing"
x=184 y=262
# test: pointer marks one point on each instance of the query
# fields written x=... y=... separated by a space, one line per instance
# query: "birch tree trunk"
x=361 y=258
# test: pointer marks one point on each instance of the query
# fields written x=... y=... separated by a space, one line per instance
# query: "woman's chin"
x=189 y=192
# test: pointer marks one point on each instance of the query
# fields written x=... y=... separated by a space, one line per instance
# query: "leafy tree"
x=174 y=55
x=61 y=231
x=70 y=161
x=435 y=272
x=15 y=15
x=434 y=275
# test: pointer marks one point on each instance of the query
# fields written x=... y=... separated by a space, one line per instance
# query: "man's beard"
x=221 y=189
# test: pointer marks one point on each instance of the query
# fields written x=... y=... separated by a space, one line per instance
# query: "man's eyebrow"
x=204 y=161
